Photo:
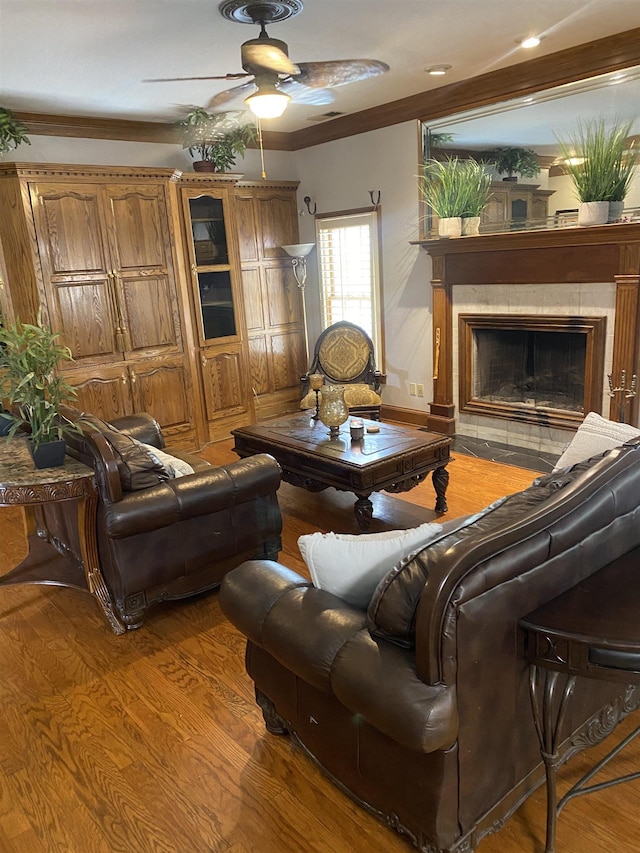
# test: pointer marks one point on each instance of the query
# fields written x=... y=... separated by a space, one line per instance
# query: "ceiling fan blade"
x=301 y=94
x=178 y=79
x=260 y=53
x=338 y=72
x=222 y=98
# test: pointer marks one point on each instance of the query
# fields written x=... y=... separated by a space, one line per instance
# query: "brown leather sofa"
x=160 y=538
x=419 y=707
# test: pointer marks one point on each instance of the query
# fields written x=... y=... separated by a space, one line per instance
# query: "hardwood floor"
x=152 y=743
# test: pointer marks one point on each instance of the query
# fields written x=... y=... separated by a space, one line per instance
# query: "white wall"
x=338 y=176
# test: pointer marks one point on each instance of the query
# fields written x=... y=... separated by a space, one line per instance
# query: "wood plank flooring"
x=152 y=742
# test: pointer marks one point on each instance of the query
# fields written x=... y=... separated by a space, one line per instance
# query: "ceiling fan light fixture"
x=267 y=101
x=529 y=42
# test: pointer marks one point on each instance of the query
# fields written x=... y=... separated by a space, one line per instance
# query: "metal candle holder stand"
x=622 y=394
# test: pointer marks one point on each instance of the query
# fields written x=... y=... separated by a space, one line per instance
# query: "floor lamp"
x=298 y=254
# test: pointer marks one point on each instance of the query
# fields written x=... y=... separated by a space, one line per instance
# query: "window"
x=349 y=272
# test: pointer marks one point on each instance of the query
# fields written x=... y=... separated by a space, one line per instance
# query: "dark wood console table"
x=590 y=631
x=21 y=484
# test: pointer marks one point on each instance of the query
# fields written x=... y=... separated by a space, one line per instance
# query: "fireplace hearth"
x=534 y=368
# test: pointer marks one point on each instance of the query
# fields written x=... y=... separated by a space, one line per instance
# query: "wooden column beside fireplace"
x=608 y=253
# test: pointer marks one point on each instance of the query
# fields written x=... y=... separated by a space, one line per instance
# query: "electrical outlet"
x=420 y=390
x=412 y=389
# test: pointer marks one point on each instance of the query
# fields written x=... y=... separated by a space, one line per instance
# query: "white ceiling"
x=89 y=57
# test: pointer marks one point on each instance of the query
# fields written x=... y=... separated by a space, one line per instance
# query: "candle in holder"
x=316 y=381
x=357 y=429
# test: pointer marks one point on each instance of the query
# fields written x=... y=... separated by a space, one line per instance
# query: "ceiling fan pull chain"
x=263 y=172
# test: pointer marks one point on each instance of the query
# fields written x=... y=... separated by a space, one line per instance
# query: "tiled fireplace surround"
x=576 y=300
x=576 y=272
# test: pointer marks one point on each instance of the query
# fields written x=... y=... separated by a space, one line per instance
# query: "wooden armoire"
x=140 y=272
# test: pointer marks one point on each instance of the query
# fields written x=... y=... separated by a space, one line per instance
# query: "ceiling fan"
x=273 y=77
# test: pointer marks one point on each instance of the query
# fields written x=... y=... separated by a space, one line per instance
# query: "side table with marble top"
x=23 y=485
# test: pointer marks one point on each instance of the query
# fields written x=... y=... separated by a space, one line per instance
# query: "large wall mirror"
x=537 y=121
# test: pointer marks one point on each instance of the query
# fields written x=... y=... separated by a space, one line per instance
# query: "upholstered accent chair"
x=344 y=355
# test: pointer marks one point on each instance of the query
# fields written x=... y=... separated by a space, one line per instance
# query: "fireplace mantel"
x=607 y=253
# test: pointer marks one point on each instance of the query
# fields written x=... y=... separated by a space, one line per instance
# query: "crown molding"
x=586 y=60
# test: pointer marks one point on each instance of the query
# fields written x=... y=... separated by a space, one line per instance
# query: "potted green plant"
x=514 y=161
x=218 y=138
x=455 y=189
x=29 y=356
x=12 y=131
x=600 y=161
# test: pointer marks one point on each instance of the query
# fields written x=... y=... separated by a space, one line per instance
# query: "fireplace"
x=539 y=369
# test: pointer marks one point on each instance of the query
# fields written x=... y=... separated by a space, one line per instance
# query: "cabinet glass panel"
x=216 y=304
x=209 y=236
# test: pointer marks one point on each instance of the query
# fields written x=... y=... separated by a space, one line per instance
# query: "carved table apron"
x=21 y=484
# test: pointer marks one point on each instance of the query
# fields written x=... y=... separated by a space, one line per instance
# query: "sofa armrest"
x=211 y=490
x=324 y=641
x=143 y=427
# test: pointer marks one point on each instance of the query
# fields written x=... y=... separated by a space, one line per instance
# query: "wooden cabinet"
x=511 y=204
x=212 y=272
x=97 y=254
x=267 y=218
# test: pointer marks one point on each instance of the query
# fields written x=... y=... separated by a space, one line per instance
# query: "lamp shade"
x=267 y=101
x=298 y=250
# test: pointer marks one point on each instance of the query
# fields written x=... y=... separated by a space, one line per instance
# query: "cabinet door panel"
x=163 y=390
x=223 y=386
x=278 y=221
x=287 y=358
x=259 y=365
x=150 y=314
x=83 y=312
x=254 y=309
x=67 y=222
x=284 y=297
x=247 y=227
x=137 y=227
x=104 y=392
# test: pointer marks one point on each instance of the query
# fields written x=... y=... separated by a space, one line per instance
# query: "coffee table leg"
x=440 y=480
x=363 y=510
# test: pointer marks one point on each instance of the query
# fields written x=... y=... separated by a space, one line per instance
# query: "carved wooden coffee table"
x=394 y=460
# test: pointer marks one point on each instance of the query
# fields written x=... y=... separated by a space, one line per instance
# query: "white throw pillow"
x=595 y=435
x=176 y=467
x=350 y=566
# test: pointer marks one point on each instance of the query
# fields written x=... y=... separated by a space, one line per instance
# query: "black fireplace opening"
x=530 y=367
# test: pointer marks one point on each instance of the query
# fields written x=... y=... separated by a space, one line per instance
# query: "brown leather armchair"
x=344 y=355
x=418 y=707
x=158 y=537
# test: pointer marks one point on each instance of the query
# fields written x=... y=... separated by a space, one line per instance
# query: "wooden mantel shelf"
x=571 y=255
x=616 y=232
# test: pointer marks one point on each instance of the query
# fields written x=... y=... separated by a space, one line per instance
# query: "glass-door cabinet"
x=211 y=268
x=211 y=236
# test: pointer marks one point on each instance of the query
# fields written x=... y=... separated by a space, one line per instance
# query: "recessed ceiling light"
x=438 y=70
x=530 y=41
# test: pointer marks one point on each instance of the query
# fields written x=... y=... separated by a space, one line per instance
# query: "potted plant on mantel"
x=600 y=160
x=456 y=190
x=29 y=356
x=218 y=138
x=514 y=161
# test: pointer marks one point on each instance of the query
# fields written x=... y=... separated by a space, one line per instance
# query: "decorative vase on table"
x=48 y=454
x=333 y=409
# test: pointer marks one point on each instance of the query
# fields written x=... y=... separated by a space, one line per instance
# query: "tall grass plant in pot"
x=600 y=161
x=217 y=138
x=455 y=189
x=29 y=357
